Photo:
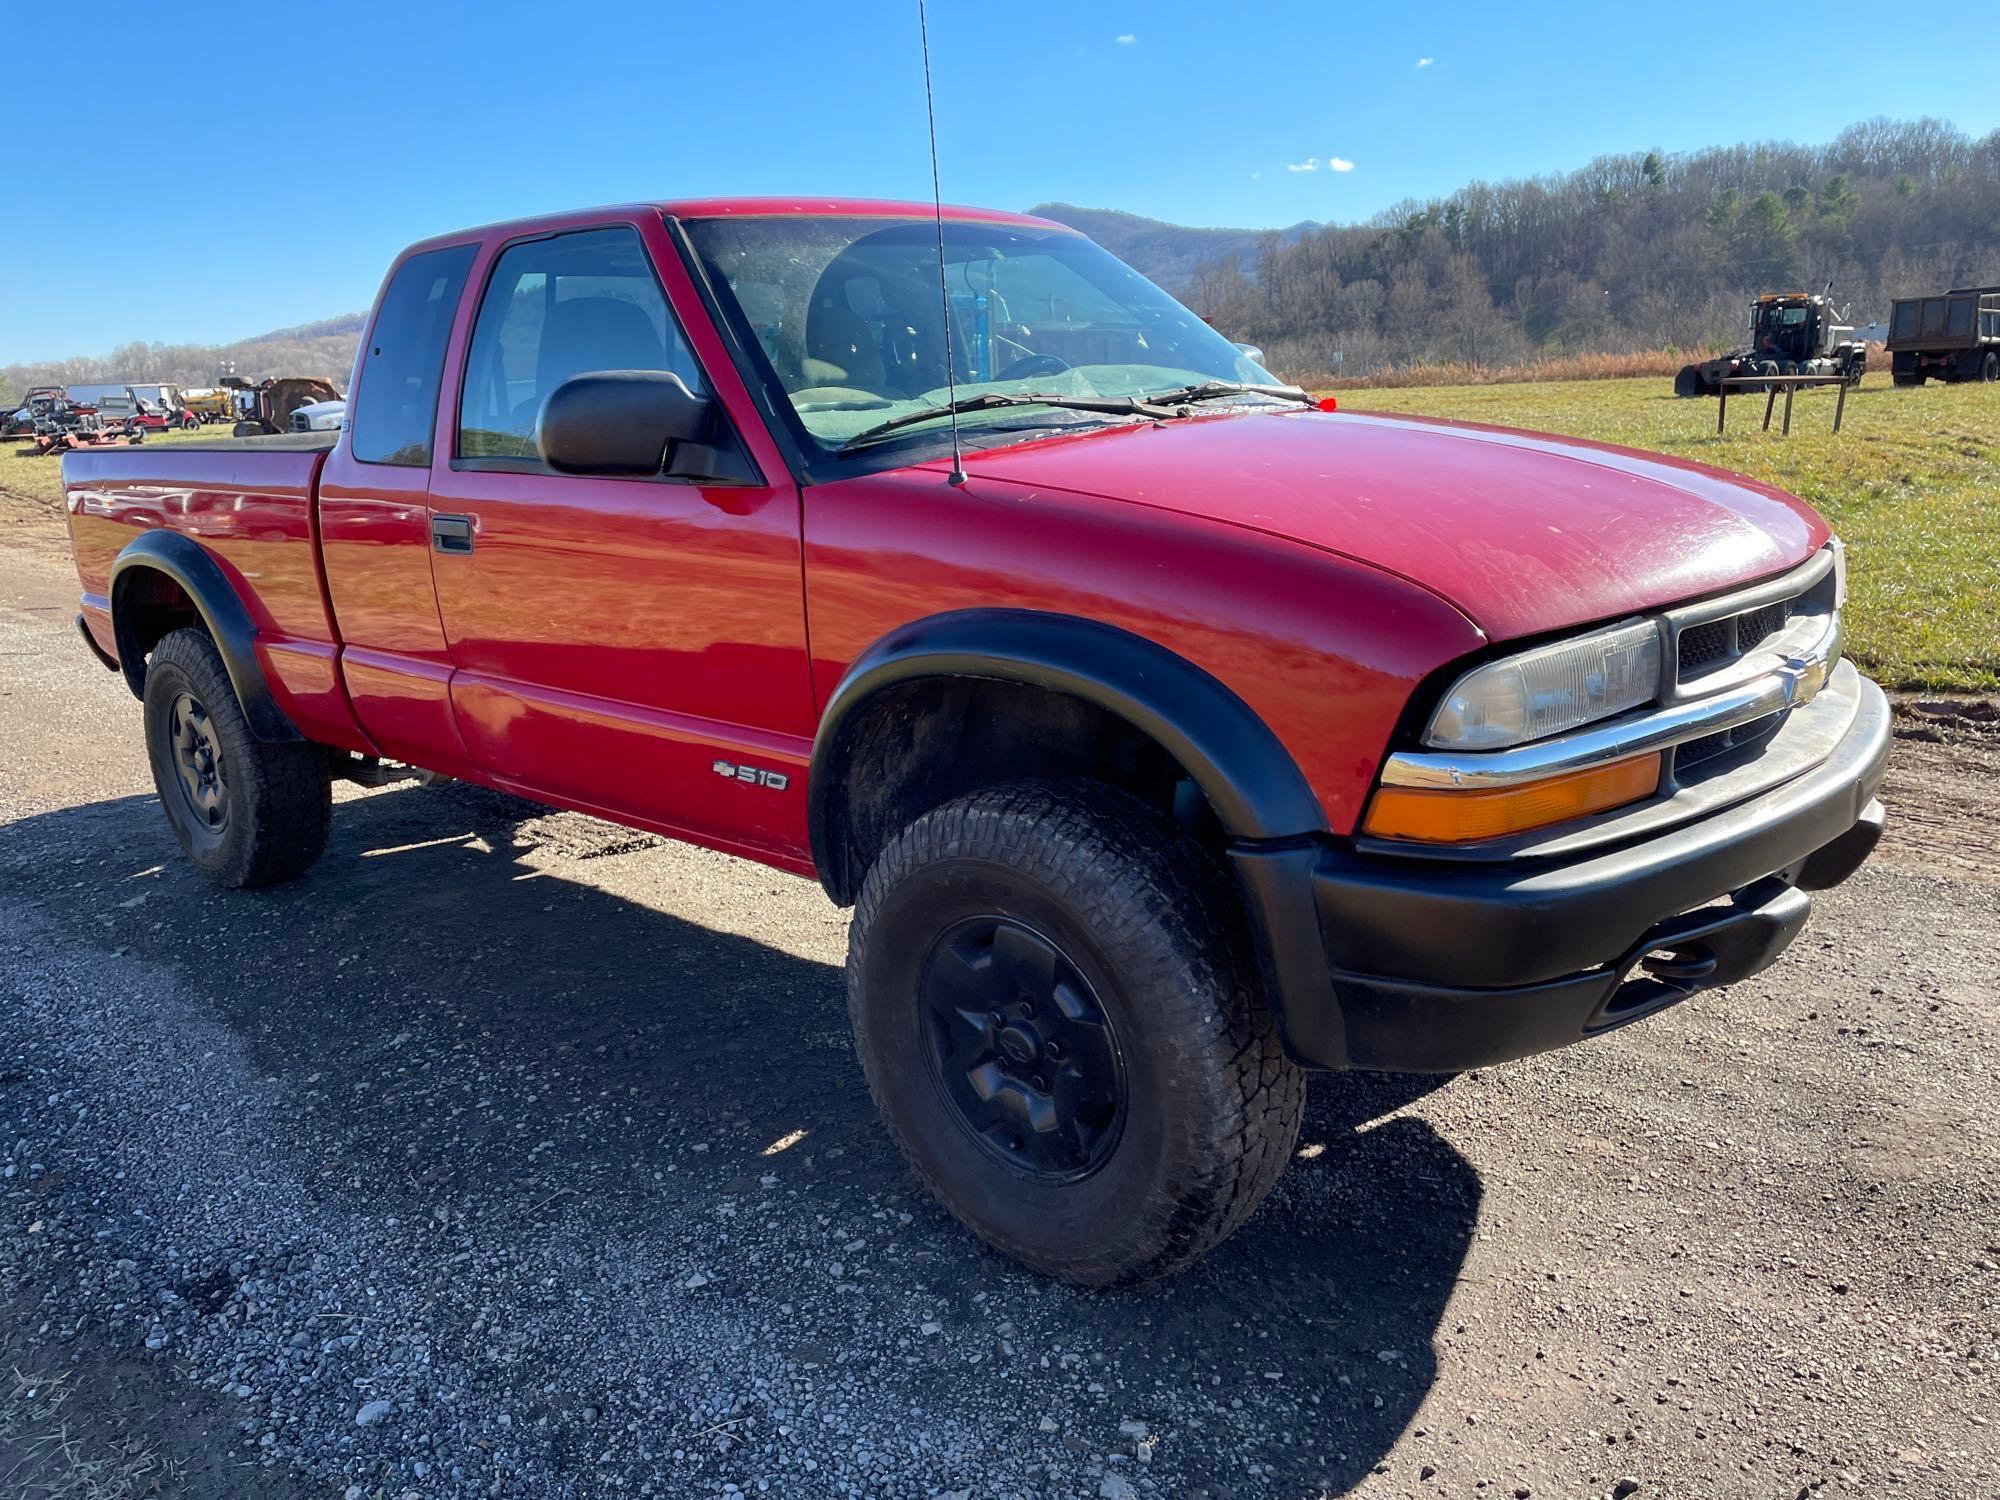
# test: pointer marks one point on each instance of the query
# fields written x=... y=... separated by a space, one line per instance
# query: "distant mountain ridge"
x=1170 y=254
x=325 y=348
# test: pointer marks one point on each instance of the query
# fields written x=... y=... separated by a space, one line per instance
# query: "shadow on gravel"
x=472 y=1044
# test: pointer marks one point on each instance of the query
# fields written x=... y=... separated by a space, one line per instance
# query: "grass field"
x=1912 y=482
x=40 y=478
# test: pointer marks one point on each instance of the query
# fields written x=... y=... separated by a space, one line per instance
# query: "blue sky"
x=360 y=126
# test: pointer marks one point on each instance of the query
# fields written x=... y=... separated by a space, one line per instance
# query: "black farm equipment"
x=1791 y=333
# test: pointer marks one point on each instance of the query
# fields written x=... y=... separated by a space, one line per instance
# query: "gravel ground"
x=511 y=1153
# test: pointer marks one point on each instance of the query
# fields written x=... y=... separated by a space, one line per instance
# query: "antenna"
x=944 y=288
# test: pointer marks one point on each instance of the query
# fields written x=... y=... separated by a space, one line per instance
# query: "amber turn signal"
x=1460 y=817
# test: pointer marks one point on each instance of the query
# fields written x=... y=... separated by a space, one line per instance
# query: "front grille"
x=1756 y=626
x=1692 y=753
x=1708 y=649
x=1702 y=644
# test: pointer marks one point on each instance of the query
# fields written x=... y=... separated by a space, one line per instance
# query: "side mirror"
x=623 y=422
x=1251 y=352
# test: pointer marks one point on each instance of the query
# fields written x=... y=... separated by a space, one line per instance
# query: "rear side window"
x=556 y=308
x=397 y=393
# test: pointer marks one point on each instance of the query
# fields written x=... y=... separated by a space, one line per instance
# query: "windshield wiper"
x=1215 y=390
x=1117 y=406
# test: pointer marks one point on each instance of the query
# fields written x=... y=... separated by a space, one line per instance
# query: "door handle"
x=451 y=533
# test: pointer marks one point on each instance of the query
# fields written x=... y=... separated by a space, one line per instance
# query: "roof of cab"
x=843 y=208
x=739 y=208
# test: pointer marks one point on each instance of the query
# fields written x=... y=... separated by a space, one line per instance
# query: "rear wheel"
x=246 y=811
x=1989 y=368
x=1688 y=382
x=1906 y=377
x=1059 y=1015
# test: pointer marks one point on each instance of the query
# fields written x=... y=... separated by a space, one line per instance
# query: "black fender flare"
x=184 y=560
x=1248 y=777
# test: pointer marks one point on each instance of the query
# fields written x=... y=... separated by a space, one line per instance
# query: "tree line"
x=325 y=349
x=1638 y=251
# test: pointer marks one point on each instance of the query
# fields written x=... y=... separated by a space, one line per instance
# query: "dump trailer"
x=1955 y=336
x=1791 y=333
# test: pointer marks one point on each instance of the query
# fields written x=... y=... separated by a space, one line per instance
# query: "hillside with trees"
x=325 y=349
x=1630 y=252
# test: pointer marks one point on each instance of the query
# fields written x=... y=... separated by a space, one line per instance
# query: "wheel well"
x=923 y=742
x=147 y=606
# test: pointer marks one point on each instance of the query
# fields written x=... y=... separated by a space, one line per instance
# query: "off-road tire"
x=1151 y=923
x=278 y=796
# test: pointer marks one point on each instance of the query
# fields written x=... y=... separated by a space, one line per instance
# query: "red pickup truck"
x=1169 y=735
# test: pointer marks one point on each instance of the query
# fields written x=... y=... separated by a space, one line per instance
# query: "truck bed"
x=1963 y=318
x=279 y=442
x=248 y=504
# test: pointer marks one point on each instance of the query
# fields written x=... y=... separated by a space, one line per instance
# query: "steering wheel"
x=1029 y=365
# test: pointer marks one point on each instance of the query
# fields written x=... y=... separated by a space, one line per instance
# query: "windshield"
x=848 y=316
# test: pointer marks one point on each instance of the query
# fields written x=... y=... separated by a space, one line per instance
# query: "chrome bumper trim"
x=1795 y=681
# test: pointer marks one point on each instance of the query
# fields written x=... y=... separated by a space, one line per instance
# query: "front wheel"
x=246 y=811
x=1058 y=1012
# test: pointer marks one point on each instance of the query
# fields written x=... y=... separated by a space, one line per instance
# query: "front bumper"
x=1430 y=965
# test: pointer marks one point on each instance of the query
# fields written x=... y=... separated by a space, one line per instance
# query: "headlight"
x=1550 y=689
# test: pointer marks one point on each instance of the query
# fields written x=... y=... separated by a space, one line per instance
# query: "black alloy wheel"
x=1021 y=1048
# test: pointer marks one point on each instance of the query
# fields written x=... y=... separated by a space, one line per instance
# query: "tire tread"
x=1158 y=898
x=281 y=790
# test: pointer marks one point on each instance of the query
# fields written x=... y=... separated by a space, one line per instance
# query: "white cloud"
x=1310 y=164
x=1126 y=39
x=1424 y=62
x=1339 y=164
x=1255 y=175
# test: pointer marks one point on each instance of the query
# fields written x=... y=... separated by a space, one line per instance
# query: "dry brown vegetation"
x=1624 y=365
x=1632 y=363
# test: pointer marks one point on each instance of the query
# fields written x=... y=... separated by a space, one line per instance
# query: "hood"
x=1522 y=532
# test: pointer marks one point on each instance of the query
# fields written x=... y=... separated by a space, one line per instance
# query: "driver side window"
x=556 y=308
